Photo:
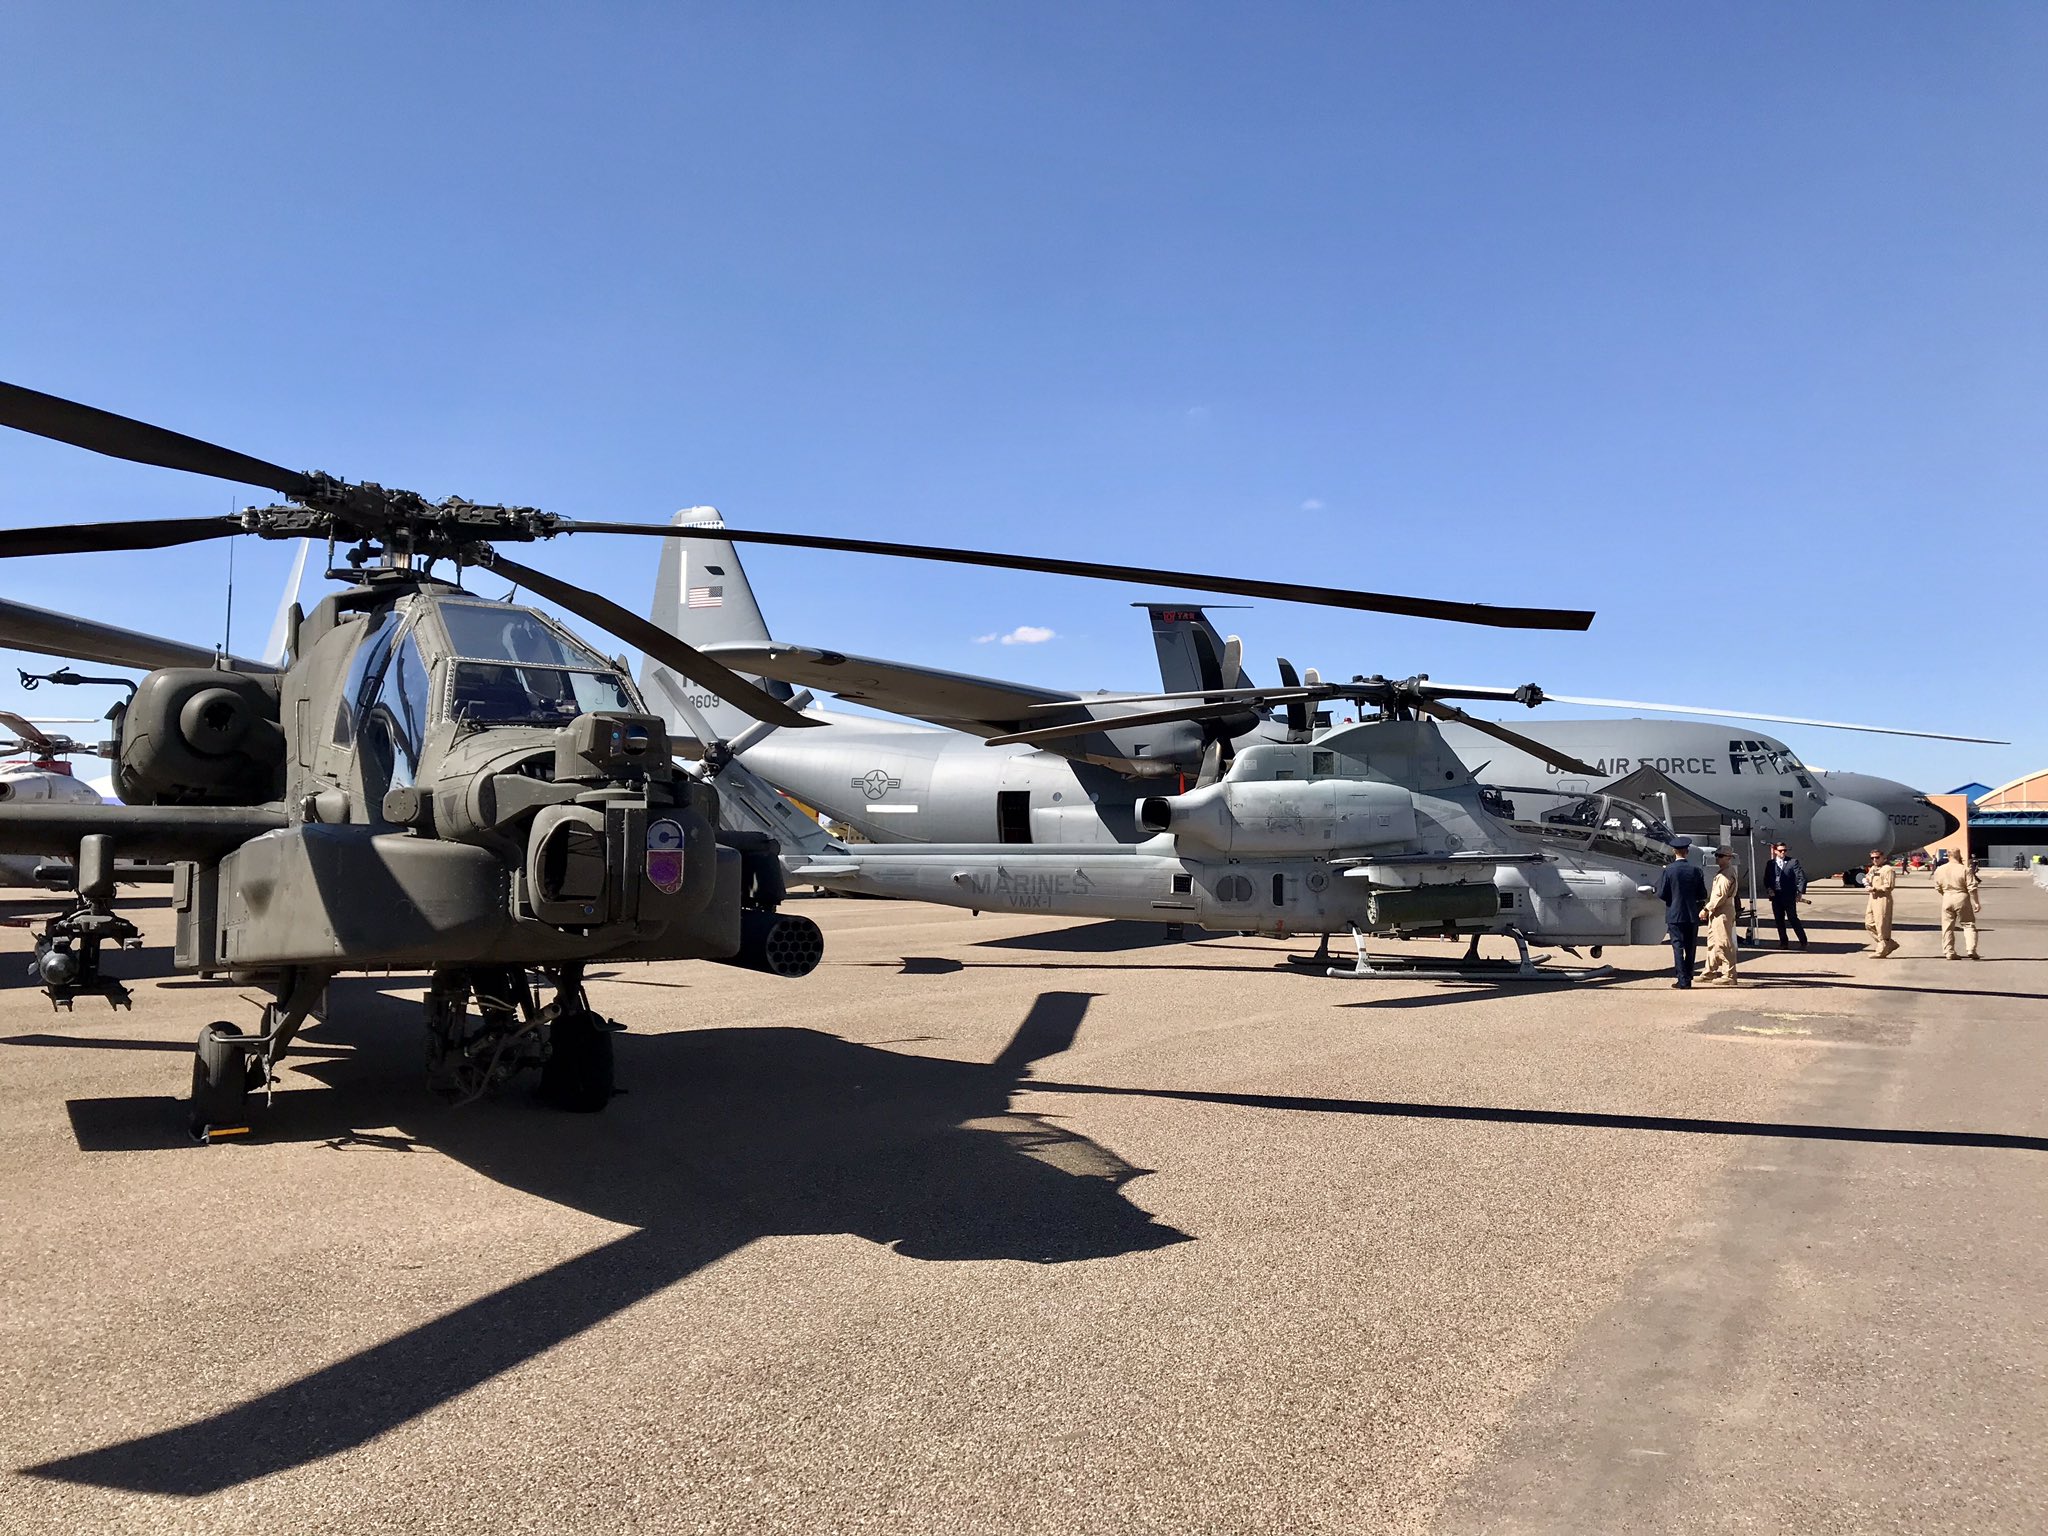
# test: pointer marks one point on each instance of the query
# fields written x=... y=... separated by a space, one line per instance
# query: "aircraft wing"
x=980 y=706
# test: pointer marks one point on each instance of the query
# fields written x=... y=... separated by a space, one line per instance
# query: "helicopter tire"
x=220 y=1080
x=577 y=1076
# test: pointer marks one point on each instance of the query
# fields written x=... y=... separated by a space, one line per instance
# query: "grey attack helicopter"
x=894 y=782
x=434 y=782
x=1371 y=829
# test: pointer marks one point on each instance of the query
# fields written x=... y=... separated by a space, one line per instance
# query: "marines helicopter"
x=1371 y=829
x=894 y=782
x=435 y=781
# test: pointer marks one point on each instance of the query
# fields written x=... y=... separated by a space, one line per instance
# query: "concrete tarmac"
x=1011 y=1225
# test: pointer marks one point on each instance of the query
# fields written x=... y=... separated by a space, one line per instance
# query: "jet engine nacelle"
x=1284 y=815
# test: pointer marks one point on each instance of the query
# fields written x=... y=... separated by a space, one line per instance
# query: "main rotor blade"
x=23 y=628
x=121 y=437
x=94 y=538
x=1278 y=591
x=1529 y=744
x=1117 y=723
x=1253 y=696
x=1739 y=714
x=22 y=726
x=658 y=643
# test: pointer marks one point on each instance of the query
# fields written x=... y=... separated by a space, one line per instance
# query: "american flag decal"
x=704 y=597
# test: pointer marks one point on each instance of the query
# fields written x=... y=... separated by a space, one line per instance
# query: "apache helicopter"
x=435 y=781
x=1373 y=828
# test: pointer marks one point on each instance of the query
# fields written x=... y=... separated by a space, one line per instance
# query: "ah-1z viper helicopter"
x=435 y=781
x=1374 y=828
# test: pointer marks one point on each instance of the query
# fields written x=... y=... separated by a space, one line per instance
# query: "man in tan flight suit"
x=1718 y=917
x=1879 y=880
x=1956 y=883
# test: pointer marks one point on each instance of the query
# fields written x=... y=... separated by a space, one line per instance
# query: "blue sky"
x=1726 y=322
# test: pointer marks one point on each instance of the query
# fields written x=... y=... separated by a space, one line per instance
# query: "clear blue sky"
x=1729 y=322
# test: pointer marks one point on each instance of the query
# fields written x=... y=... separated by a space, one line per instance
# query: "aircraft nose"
x=1949 y=825
x=1852 y=828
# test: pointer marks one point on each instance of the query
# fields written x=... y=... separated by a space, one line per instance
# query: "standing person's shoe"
x=1976 y=957
x=1888 y=950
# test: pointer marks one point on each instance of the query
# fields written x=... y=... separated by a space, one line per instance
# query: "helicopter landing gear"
x=1468 y=967
x=228 y=1063
x=577 y=1076
x=470 y=1055
x=220 y=1083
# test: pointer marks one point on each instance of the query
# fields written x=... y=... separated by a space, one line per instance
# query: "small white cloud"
x=1023 y=634
x=1311 y=505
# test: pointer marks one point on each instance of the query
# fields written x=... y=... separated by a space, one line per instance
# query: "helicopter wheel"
x=220 y=1081
x=577 y=1076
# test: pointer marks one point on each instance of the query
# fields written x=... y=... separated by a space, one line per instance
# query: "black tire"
x=220 y=1079
x=577 y=1075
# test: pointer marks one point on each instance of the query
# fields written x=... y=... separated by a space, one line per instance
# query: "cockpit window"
x=367 y=665
x=486 y=694
x=494 y=632
x=395 y=723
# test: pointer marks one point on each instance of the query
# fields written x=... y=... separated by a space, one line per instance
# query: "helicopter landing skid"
x=1468 y=967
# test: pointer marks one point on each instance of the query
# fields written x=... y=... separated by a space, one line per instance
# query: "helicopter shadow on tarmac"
x=729 y=1135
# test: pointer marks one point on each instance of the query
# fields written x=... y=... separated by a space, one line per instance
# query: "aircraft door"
x=1013 y=815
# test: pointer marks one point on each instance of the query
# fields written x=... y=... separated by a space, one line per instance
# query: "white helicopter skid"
x=1471 y=966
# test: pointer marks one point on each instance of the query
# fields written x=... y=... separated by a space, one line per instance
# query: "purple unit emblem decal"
x=665 y=856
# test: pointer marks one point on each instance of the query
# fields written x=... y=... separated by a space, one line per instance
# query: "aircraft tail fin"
x=1191 y=653
x=283 y=628
x=701 y=596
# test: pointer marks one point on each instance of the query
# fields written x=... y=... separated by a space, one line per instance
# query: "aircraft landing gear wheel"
x=577 y=1075
x=220 y=1081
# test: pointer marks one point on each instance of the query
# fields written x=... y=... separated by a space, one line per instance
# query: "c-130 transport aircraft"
x=979 y=771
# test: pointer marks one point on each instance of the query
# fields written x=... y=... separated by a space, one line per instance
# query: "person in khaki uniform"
x=1956 y=883
x=1880 y=880
x=1719 y=917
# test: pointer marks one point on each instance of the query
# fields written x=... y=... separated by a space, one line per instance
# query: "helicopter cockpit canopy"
x=1603 y=823
x=513 y=667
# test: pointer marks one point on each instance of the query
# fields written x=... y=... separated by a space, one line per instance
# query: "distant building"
x=2006 y=823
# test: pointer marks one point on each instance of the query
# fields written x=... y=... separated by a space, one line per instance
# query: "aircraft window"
x=493 y=632
x=1279 y=890
x=483 y=694
x=363 y=670
x=1234 y=888
x=396 y=724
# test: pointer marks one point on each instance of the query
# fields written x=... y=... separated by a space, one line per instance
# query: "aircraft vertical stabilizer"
x=701 y=595
x=1190 y=650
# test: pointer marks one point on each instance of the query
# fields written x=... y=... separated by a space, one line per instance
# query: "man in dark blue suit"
x=1683 y=890
x=1785 y=879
